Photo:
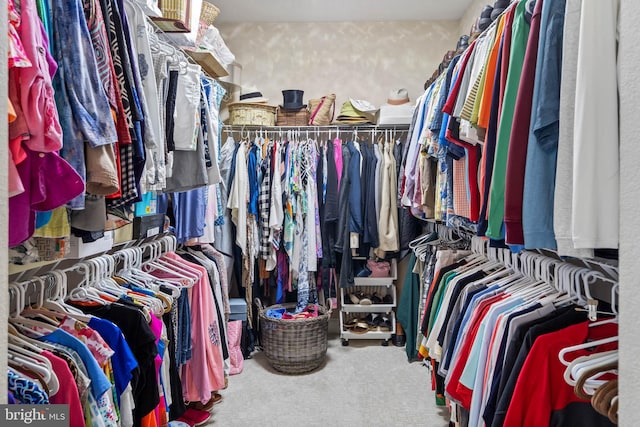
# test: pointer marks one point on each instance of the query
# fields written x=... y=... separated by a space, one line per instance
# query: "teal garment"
x=519 y=38
x=407 y=312
x=437 y=298
x=44 y=12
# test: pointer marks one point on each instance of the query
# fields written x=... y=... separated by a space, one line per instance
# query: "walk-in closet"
x=237 y=213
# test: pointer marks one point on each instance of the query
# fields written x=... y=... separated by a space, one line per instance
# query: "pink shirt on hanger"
x=68 y=392
x=204 y=372
x=337 y=156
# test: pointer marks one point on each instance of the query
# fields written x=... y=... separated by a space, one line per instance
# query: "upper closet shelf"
x=208 y=62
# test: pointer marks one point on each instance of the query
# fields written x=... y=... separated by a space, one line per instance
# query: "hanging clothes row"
x=293 y=201
x=129 y=115
x=491 y=326
x=127 y=346
x=509 y=141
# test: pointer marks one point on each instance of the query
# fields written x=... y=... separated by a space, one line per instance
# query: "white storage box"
x=79 y=249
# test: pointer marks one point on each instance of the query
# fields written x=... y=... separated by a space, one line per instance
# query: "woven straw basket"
x=252 y=114
x=294 y=346
x=208 y=14
x=175 y=9
x=293 y=118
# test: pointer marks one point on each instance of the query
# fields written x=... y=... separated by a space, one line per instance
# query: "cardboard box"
x=123 y=234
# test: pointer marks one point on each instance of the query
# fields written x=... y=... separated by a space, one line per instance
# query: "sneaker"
x=194 y=417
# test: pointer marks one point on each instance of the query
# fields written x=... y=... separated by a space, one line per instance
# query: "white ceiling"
x=338 y=10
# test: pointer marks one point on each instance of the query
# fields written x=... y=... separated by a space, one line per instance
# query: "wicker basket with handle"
x=294 y=346
x=208 y=14
x=252 y=114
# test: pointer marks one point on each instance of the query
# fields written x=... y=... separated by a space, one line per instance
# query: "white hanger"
x=613 y=319
x=590 y=344
x=36 y=362
x=579 y=364
x=84 y=292
x=57 y=301
x=22 y=322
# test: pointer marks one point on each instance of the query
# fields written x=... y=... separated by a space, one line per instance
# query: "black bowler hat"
x=292 y=99
x=253 y=97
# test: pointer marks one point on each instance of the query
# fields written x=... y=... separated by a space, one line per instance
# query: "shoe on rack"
x=351 y=323
x=361 y=327
x=365 y=272
x=366 y=300
x=387 y=299
x=353 y=299
x=384 y=324
x=373 y=320
x=375 y=299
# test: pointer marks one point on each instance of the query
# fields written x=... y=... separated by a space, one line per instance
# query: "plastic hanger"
x=578 y=367
x=45 y=371
x=57 y=303
x=36 y=362
x=186 y=280
x=567 y=350
x=572 y=372
x=83 y=292
x=35 y=327
x=21 y=338
x=182 y=267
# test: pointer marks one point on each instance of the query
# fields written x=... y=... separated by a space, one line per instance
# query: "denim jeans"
x=183 y=341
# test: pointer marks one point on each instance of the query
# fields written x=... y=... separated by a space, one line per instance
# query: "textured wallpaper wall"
x=470 y=16
x=363 y=60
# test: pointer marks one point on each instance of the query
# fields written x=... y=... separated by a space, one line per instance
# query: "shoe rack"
x=356 y=319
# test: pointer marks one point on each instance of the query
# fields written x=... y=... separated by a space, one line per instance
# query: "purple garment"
x=337 y=156
x=283 y=276
x=11 y=400
x=49 y=182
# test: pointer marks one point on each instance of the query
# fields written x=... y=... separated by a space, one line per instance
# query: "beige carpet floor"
x=360 y=385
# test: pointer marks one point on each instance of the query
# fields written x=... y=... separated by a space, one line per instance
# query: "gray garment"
x=189 y=169
x=405 y=147
x=562 y=212
x=94 y=215
x=221 y=263
x=343 y=243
